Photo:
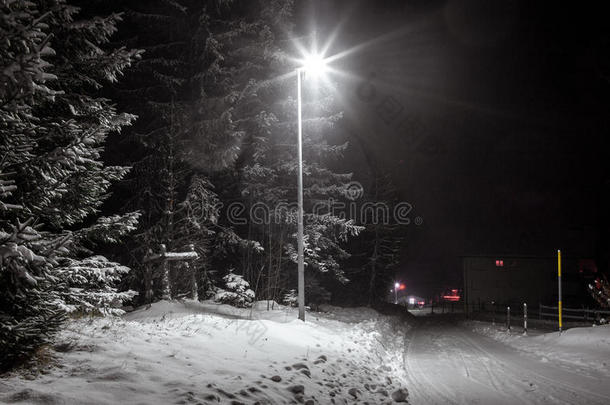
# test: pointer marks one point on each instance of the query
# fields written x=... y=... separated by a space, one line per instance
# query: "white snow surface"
x=452 y=362
x=206 y=353
x=583 y=349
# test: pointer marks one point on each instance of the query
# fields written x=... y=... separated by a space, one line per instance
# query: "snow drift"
x=192 y=352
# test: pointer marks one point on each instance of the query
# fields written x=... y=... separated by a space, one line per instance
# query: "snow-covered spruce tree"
x=268 y=164
x=290 y=298
x=186 y=136
x=236 y=291
x=52 y=132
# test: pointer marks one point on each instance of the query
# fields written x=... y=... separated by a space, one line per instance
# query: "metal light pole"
x=559 y=303
x=301 y=265
x=396 y=285
x=314 y=64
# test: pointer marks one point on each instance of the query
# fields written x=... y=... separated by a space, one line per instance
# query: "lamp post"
x=396 y=286
x=313 y=64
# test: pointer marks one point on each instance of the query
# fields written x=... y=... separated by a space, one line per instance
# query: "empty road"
x=448 y=363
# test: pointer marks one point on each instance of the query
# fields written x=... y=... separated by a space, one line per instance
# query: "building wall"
x=521 y=279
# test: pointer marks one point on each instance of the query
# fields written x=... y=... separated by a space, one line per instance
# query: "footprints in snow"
x=340 y=381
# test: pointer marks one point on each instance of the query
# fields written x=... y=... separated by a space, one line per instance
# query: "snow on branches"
x=237 y=293
x=87 y=286
x=600 y=291
x=53 y=181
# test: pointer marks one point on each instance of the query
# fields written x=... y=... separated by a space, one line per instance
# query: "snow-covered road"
x=449 y=363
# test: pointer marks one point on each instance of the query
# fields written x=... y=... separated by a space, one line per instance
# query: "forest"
x=148 y=152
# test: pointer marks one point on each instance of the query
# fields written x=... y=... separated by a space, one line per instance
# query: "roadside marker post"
x=524 y=318
x=508 y=319
x=559 y=288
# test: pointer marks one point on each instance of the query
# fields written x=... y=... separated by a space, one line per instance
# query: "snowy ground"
x=451 y=362
x=585 y=350
x=189 y=352
x=204 y=353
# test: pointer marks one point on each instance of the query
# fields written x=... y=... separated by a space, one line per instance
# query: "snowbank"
x=191 y=352
x=586 y=348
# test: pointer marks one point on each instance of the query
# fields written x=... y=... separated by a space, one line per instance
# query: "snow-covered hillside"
x=191 y=352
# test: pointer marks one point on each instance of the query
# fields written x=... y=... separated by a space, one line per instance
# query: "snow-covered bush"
x=237 y=291
x=600 y=291
x=290 y=298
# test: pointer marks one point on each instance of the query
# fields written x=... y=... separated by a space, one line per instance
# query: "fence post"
x=525 y=318
x=539 y=311
x=493 y=316
x=508 y=318
x=587 y=314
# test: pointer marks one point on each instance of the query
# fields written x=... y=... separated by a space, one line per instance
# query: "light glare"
x=314 y=64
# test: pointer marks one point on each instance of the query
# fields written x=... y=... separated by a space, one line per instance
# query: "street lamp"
x=396 y=286
x=315 y=65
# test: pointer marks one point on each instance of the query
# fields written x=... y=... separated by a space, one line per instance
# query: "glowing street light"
x=315 y=65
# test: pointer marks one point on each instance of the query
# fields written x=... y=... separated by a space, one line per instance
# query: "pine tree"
x=236 y=291
x=371 y=268
x=382 y=237
x=268 y=164
x=186 y=136
x=52 y=132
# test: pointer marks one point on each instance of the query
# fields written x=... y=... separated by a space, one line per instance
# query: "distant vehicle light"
x=451 y=297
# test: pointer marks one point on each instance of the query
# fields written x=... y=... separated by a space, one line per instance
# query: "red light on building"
x=451 y=297
x=499 y=263
x=402 y=287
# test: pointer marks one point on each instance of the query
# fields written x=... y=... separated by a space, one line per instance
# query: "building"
x=517 y=279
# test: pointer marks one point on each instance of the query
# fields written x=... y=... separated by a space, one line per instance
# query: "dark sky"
x=490 y=116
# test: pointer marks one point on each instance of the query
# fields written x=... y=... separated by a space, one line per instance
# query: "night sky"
x=491 y=118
